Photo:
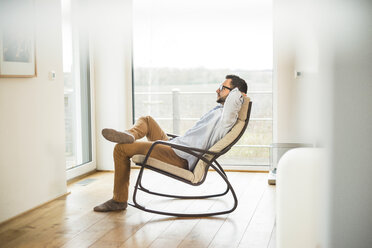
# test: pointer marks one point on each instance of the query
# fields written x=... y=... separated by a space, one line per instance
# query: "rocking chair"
x=206 y=159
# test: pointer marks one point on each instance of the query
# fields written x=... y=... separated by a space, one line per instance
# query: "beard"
x=221 y=100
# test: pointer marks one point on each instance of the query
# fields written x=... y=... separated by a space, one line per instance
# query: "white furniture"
x=276 y=152
x=299 y=198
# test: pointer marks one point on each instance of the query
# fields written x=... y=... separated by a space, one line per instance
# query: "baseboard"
x=40 y=205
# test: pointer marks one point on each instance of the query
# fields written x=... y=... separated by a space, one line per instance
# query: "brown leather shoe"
x=111 y=205
x=118 y=137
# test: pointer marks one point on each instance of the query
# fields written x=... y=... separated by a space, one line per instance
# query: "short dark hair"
x=238 y=82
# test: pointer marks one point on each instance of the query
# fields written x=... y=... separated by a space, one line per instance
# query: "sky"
x=232 y=34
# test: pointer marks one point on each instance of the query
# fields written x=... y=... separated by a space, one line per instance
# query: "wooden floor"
x=70 y=221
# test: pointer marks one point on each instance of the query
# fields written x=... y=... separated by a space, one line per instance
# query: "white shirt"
x=212 y=127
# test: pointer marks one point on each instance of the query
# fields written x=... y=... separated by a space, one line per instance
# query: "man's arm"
x=231 y=108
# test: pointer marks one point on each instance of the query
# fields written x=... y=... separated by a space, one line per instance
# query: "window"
x=182 y=52
x=76 y=69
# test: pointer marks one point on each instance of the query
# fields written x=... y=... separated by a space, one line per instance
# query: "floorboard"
x=70 y=221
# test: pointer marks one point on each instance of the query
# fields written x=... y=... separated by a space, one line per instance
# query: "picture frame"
x=17 y=39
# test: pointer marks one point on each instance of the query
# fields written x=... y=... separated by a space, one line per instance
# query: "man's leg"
x=122 y=155
x=144 y=126
x=147 y=126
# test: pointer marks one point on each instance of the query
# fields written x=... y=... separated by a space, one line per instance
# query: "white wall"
x=298 y=101
x=32 y=162
x=350 y=197
x=331 y=42
x=301 y=105
x=113 y=72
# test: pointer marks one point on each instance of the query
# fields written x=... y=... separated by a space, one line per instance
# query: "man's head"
x=228 y=85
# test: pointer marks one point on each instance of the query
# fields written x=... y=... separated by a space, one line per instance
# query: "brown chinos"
x=144 y=126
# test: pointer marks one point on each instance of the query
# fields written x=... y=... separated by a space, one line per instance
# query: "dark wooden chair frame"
x=199 y=153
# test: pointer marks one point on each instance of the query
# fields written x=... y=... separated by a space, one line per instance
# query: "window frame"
x=77 y=63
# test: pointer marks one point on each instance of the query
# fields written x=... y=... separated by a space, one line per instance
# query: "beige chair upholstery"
x=174 y=170
x=199 y=171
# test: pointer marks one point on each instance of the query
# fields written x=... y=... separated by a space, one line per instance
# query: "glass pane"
x=85 y=114
x=180 y=61
x=156 y=105
x=262 y=105
x=78 y=148
x=257 y=133
x=246 y=156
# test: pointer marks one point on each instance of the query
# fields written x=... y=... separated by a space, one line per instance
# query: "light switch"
x=52 y=75
x=298 y=74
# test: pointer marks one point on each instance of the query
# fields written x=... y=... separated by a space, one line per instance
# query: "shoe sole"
x=117 y=137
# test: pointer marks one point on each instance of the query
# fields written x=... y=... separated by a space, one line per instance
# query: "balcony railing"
x=176 y=117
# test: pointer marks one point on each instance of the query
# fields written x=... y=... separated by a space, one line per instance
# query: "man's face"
x=223 y=91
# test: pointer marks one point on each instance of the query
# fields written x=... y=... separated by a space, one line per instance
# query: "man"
x=212 y=127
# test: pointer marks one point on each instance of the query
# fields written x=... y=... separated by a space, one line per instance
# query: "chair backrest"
x=225 y=144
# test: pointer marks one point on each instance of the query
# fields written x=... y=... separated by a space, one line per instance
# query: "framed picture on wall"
x=17 y=39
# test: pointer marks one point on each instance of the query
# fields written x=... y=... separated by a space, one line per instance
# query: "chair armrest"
x=190 y=150
x=172 y=135
x=184 y=148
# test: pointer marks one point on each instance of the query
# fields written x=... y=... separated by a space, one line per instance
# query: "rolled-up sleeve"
x=231 y=108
